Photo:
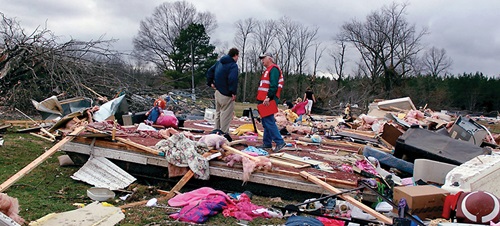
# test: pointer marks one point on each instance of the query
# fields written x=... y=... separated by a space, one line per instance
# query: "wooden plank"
x=5 y=126
x=268 y=179
x=238 y=152
x=346 y=197
x=297 y=158
x=336 y=182
x=370 y=134
x=40 y=136
x=140 y=146
x=131 y=143
x=170 y=194
x=39 y=160
x=194 y=130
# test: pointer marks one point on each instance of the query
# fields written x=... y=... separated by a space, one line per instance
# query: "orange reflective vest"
x=265 y=83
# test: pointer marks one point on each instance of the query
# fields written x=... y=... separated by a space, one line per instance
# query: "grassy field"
x=48 y=188
x=239 y=107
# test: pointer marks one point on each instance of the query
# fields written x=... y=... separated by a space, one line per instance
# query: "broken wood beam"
x=43 y=137
x=48 y=133
x=347 y=198
x=235 y=142
x=342 y=183
x=168 y=196
x=370 y=134
x=5 y=126
x=140 y=146
x=238 y=152
x=131 y=143
x=39 y=160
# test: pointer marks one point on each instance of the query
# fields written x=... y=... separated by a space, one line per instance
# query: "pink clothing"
x=244 y=209
x=194 y=196
x=300 y=108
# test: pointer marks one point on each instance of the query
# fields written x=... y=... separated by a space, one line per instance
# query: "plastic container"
x=100 y=194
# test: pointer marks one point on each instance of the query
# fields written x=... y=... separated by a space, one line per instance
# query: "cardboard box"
x=425 y=201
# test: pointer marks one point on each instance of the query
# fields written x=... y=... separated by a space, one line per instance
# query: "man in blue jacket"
x=223 y=77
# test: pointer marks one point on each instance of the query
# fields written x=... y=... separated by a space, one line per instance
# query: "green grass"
x=239 y=107
x=48 y=188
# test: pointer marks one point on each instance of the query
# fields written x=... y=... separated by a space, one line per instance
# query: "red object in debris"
x=478 y=207
x=161 y=103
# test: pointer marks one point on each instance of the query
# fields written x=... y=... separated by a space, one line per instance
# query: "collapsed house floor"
x=324 y=154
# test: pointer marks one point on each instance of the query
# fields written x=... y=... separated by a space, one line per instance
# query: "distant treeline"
x=468 y=93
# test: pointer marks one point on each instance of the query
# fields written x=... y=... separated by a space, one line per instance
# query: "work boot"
x=264 y=147
x=279 y=147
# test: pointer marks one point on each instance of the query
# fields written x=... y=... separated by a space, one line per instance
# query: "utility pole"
x=193 y=95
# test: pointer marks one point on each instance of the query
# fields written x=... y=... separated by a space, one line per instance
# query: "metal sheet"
x=101 y=172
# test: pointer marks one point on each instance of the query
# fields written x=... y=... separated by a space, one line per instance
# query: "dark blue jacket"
x=224 y=74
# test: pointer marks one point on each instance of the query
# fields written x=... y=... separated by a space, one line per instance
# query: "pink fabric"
x=244 y=209
x=200 y=211
x=167 y=121
x=194 y=196
x=330 y=222
x=300 y=108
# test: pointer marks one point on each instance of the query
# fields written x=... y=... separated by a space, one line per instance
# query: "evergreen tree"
x=192 y=50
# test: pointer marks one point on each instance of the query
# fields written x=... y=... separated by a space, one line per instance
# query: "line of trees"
x=173 y=45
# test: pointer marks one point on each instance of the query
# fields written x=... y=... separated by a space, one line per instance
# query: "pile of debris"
x=412 y=160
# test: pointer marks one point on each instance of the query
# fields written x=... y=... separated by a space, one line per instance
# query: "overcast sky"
x=468 y=30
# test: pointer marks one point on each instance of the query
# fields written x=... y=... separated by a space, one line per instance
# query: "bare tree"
x=318 y=53
x=435 y=61
x=154 y=41
x=265 y=34
x=34 y=65
x=244 y=29
x=338 y=56
x=386 y=42
x=304 y=40
x=287 y=41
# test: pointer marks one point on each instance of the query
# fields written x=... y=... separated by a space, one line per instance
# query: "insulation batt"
x=249 y=166
x=10 y=207
x=212 y=140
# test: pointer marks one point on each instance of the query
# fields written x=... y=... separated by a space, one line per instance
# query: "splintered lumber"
x=5 y=126
x=342 y=183
x=238 y=152
x=370 y=134
x=39 y=160
x=140 y=146
x=235 y=142
x=40 y=136
x=294 y=158
x=169 y=195
x=346 y=197
x=131 y=143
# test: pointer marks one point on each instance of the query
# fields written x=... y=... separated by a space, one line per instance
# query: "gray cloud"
x=467 y=30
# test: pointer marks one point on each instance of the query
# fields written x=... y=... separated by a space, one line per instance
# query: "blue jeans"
x=271 y=131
